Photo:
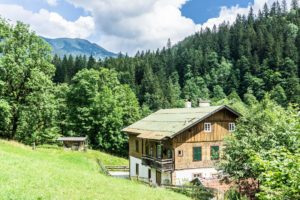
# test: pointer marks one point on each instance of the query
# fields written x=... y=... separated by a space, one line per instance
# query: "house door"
x=158 y=178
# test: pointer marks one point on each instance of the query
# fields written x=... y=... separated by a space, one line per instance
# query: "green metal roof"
x=170 y=122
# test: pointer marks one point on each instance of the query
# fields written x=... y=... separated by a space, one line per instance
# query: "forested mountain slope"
x=257 y=54
x=76 y=46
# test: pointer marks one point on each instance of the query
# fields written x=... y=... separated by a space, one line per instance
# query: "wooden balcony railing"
x=163 y=165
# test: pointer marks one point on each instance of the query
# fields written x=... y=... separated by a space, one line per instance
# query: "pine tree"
x=173 y=92
x=91 y=62
x=284 y=6
x=70 y=67
x=151 y=90
x=295 y=5
x=218 y=93
x=65 y=69
x=59 y=72
x=279 y=95
x=266 y=10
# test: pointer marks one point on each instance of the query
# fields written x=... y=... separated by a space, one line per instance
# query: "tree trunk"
x=15 y=120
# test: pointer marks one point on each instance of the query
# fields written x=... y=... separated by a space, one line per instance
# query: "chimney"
x=188 y=104
x=204 y=103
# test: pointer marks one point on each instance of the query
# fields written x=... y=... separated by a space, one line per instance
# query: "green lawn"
x=58 y=174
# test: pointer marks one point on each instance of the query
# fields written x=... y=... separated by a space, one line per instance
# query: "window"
x=158 y=151
x=180 y=153
x=136 y=145
x=198 y=175
x=151 y=151
x=169 y=153
x=147 y=150
x=137 y=169
x=231 y=127
x=207 y=127
x=197 y=153
x=149 y=173
x=214 y=152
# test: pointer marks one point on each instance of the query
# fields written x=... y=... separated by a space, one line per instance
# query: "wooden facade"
x=132 y=146
x=197 y=137
x=177 y=152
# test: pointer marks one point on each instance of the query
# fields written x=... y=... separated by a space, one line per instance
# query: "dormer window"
x=207 y=127
x=231 y=127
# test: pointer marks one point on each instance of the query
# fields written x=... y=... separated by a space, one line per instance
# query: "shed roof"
x=170 y=122
x=73 y=139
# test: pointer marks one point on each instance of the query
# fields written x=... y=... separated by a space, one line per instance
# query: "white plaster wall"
x=143 y=170
x=166 y=178
x=183 y=176
x=153 y=175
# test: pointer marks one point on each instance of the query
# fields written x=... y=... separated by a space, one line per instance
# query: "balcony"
x=163 y=165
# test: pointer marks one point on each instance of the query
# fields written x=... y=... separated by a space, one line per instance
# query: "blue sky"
x=124 y=25
x=67 y=10
x=200 y=11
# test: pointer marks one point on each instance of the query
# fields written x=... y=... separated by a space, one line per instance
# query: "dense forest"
x=256 y=55
x=33 y=109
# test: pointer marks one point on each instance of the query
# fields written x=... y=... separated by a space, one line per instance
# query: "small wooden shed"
x=74 y=143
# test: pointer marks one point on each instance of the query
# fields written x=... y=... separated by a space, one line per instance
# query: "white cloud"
x=49 y=24
x=131 y=25
x=227 y=15
x=124 y=25
x=52 y=2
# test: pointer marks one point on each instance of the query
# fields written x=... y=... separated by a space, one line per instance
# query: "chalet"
x=174 y=146
x=74 y=143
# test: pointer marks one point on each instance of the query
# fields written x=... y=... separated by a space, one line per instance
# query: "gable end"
x=205 y=117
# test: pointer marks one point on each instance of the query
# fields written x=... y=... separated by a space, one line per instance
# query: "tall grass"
x=47 y=173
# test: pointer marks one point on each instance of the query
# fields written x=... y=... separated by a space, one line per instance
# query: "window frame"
x=180 y=154
x=210 y=127
x=137 y=146
x=159 y=151
x=137 y=169
x=230 y=125
x=211 y=148
x=197 y=147
x=151 y=151
x=169 y=154
x=149 y=173
x=197 y=175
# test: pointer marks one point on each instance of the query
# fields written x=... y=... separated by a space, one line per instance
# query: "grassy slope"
x=57 y=174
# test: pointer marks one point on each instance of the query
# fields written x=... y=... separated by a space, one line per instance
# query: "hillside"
x=76 y=47
x=58 y=174
x=256 y=55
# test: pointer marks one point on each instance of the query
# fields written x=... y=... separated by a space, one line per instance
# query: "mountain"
x=62 y=46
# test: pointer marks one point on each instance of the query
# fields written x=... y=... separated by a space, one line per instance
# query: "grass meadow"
x=53 y=173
